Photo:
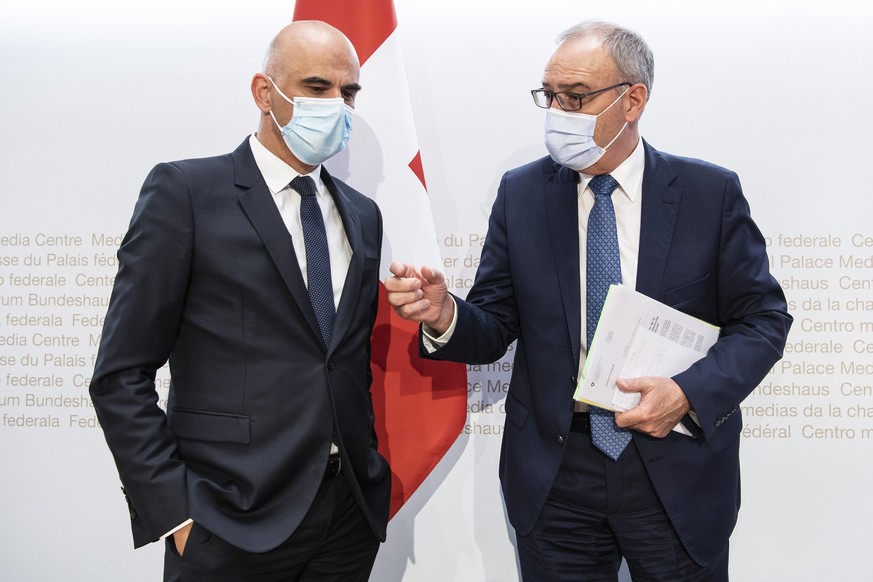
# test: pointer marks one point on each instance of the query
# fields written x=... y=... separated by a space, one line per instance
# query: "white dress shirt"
x=627 y=201
x=277 y=175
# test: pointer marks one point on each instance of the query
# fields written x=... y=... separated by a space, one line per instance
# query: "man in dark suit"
x=681 y=233
x=256 y=275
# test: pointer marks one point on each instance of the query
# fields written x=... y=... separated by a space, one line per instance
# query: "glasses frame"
x=551 y=96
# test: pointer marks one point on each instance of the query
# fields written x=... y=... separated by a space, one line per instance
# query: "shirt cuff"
x=177 y=528
x=431 y=343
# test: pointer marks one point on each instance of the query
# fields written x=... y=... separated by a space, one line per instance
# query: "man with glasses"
x=586 y=487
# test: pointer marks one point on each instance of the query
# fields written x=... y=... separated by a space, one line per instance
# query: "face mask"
x=319 y=128
x=570 y=137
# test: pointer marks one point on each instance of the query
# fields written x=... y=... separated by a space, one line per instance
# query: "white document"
x=637 y=336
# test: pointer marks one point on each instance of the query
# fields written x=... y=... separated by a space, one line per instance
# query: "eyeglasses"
x=566 y=100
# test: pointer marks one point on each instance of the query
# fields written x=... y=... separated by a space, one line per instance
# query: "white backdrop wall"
x=92 y=94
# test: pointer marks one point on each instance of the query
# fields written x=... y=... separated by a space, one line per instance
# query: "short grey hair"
x=632 y=56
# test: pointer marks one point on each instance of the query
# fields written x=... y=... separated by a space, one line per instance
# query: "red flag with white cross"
x=420 y=405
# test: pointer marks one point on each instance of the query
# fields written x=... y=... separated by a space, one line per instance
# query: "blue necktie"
x=318 y=280
x=603 y=267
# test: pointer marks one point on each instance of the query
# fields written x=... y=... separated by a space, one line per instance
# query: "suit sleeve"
x=487 y=322
x=752 y=313
x=141 y=325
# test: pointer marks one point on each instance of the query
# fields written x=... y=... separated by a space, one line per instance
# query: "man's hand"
x=662 y=405
x=420 y=296
x=180 y=538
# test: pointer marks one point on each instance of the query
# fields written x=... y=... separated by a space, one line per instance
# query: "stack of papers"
x=637 y=336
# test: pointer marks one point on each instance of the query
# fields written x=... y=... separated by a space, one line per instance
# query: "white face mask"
x=569 y=137
x=319 y=128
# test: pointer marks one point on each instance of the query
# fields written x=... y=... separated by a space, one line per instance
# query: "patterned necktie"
x=603 y=267
x=318 y=280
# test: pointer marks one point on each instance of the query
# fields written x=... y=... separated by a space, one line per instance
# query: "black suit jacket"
x=208 y=280
x=701 y=253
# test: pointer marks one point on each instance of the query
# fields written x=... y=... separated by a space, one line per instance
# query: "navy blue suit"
x=699 y=252
x=208 y=280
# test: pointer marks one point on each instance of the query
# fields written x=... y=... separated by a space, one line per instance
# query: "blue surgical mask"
x=319 y=128
x=569 y=137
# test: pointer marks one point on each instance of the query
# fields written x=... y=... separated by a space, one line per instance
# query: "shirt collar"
x=628 y=174
x=278 y=174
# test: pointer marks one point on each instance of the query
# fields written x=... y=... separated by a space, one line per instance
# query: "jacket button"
x=330 y=365
x=560 y=440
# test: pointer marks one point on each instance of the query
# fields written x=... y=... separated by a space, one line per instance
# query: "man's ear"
x=635 y=102
x=261 y=92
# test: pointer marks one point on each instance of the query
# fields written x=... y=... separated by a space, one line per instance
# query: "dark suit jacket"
x=208 y=279
x=700 y=252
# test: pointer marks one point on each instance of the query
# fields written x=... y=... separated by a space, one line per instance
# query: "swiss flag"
x=420 y=405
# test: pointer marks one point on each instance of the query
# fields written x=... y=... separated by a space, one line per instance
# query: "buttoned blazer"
x=700 y=252
x=208 y=280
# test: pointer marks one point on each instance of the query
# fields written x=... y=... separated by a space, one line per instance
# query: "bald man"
x=255 y=274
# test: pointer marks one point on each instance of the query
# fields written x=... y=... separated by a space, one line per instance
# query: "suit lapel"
x=562 y=214
x=354 y=277
x=660 y=208
x=259 y=206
